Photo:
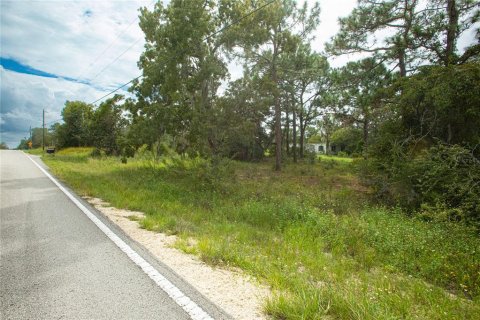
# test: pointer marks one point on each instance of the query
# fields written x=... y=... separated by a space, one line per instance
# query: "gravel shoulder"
x=238 y=294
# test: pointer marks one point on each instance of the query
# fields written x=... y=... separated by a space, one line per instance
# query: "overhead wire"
x=115 y=60
x=204 y=39
x=94 y=61
x=139 y=76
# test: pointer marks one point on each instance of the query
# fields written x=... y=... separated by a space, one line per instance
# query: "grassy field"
x=309 y=232
x=324 y=157
x=36 y=151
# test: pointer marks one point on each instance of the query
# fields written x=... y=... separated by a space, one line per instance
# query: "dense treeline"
x=410 y=108
x=38 y=138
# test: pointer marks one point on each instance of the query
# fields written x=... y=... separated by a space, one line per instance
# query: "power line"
x=239 y=19
x=53 y=121
x=96 y=59
x=115 y=60
x=204 y=39
x=111 y=92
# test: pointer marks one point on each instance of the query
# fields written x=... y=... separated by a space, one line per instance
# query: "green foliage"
x=350 y=138
x=74 y=132
x=447 y=180
x=307 y=232
x=335 y=159
x=273 y=41
x=440 y=27
x=311 y=156
x=23 y=145
x=106 y=126
x=37 y=151
x=38 y=135
x=181 y=74
x=416 y=35
x=424 y=158
x=103 y=128
x=239 y=133
x=74 y=155
x=328 y=125
x=442 y=103
x=342 y=154
x=96 y=153
x=315 y=139
x=359 y=86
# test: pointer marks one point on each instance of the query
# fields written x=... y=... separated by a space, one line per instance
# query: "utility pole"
x=43 y=131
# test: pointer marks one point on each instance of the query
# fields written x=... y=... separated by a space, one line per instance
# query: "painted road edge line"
x=190 y=307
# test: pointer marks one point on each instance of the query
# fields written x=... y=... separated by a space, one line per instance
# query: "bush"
x=212 y=173
x=128 y=151
x=424 y=156
x=439 y=183
x=311 y=156
x=97 y=153
x=447 y=180
x=350 y=138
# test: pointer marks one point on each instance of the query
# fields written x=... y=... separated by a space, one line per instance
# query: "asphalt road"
x=56 y=264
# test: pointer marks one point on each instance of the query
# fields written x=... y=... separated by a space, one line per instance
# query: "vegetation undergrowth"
x=309 y=232
x=35 y=151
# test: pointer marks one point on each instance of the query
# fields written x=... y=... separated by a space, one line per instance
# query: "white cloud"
x=72 y=39
x=24 y=96
x=66 y=38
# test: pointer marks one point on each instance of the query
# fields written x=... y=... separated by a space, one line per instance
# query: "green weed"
x=309 y=232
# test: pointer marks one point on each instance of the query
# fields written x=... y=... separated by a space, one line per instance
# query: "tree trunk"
x=401 y=63
x=278 y=120
x=327 y=143
x=302 y=124
x=302 y=135
x=287 y=128
x=451 y=31
x=365 y=136
x=294 y=124
x=404 y=42
x=449 y=133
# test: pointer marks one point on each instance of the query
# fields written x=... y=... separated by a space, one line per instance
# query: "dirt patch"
x=236 y=293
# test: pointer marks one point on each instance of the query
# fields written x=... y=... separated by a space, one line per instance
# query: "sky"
x=52 y=51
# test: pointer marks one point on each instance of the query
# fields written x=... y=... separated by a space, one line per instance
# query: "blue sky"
x=10 y=64
x=52 y=51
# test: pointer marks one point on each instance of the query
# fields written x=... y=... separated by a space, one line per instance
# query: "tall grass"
x=36 y=151
x=309 y=232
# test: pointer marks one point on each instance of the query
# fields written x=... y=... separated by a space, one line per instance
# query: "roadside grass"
x=36 y=151
x=324 y=157
x=309 y=232
x=74 y=154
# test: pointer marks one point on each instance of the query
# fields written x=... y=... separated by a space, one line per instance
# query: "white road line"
x=195 y=312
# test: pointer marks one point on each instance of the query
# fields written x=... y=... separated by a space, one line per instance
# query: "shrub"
x=439 y=183
x=96 y=153
x=311 y=156
x=350 y=138
x=447 y=179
